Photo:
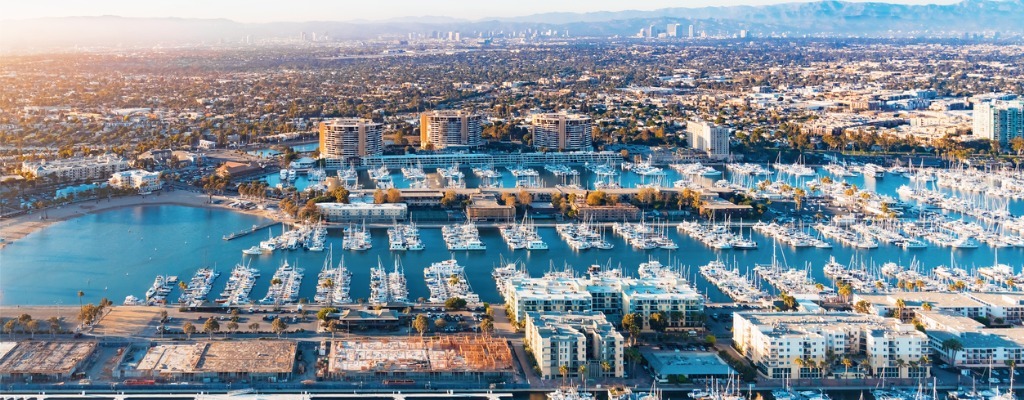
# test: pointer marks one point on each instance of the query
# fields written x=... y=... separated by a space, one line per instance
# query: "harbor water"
x=119 y=252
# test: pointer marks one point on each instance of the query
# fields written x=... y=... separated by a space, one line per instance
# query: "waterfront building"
x=999 y=120
x=241 y=360
x=885 y=304
x=774 y=341
x=437 y=358
x=493 y=160
x=358 y=212
x=609 y=293
x=445 y=129
x=709 y=137
x=667 y=364
x=618 y=212
x=485 y=207
x=236 y=169
x=982 y=347
x=143 y=180
x=561 y=131
x=43 y=361
x=77 y=168
x=572 y=340
x=343 y=140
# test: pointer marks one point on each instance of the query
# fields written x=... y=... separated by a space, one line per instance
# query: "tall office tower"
x=450 y=128
x=999 y=120
x=691 y=31
x=672 y=30
x=346 y=139
x=652 y=31
x=561 y=131
x=709 y=137
x=743 y=34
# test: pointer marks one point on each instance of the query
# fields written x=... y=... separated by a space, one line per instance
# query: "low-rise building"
x=667 y=364
x=77 y=168
x=233 y=169
x=42 y=361
x=979 y=347
x=618 y=212
x=253 y=360
x=142 y=180
x=357 y=212
x=407 y=359
x=610 y=293
x=885 y=304
x=787 y=345
x=484 y=207
x=573 y=340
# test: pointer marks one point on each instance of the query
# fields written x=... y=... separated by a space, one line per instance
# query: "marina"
x=239 y=286
x=447 y=279
x=284 y=286
x=195 y=291
x=522 y=235
x=733 y=283
x=404 y=237
x=333 y=284
x=462 y=237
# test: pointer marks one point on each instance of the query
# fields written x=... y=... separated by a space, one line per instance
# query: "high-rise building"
x=561 y=131
x=672 y=30
x=999 y=120
x=652 y=31
x=743 y=34
x=450 y=128
x=709 y=137
x=691 y=31
x=345 y=139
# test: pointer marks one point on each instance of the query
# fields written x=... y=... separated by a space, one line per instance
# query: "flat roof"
x=250 y=356
x=45 y=357
x=415 y=354
x=686 y=363
x=916 y=299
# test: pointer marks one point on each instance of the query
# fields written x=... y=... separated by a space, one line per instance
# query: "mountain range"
x=868 y=19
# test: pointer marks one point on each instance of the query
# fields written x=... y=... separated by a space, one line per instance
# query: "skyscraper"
x=561 y=131
x=672 y=30
x=691 y=31
x=709 y=137
x=1000 y=120
x=345 y=139
x=450 y=128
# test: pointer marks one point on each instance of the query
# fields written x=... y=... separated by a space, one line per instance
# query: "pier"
x=255 y=228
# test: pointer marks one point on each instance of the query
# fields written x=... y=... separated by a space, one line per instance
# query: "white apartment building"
x=444 y=129
x=1005 y=307
x=709 y=137
x=609 y=293
x=999 y=120
x=356 y=212
x=343 y=140
x=77 y=168
x=796 y=345
x=572 y=340
x=982 y=347
x=143 y=180
x=561 y=131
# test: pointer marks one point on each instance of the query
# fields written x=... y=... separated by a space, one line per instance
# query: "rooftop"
x=415 y=354
x=689 y=363
x=42 y=357
x=250 y=356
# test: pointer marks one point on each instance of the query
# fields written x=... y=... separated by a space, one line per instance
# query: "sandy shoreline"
x=13 y=229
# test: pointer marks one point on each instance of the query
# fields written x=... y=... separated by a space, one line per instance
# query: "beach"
x=13 y=229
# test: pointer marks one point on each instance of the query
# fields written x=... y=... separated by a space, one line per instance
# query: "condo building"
x=709 y=137
x=445 y=129
x=573 y=340
x=344 y=140
x=560 y=131
x=999 y=120
x=77 y=168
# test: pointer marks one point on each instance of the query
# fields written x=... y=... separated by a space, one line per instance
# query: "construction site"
x=250 y=360
x=35 y=361
x=452 y=357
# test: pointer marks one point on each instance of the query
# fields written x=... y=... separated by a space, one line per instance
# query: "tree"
x=1017 y=144
x=440 y=324
x=421 y=324
x=394 y=195
x=9 y=326
x=633 y=324
x=845 y=291
x=862 y=307
x=449 y=198
x=606 y=366
x=583 y=375
x=332 y=326
x=32 y=327
x=900 y=306
x=564 y=371
x=848 y=363
x=188 y=329
x=278 y=326
x=658 y=322
x=926 y=306
x=455 y=303
x=54 y=325
x=595 y=198
x=951 y=347
x=211 y=326
x=80 y=295
x=254 y=327
x=232 y=326
x=487 y=326
x=323 y=314
x=711 y=339
x=646 y=195
x=379 y=197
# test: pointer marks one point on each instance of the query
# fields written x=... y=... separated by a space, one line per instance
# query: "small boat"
x=253 y=251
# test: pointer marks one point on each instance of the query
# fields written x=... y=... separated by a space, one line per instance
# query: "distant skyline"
x=257 y=11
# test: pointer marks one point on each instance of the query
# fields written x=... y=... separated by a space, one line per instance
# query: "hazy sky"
x=338 y=10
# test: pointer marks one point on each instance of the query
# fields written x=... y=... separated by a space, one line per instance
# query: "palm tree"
x=564 y=370
x=900 y=306
x=80 y=295
x=848 y=363
x=583 y=375
x=606 y=366
x=329 y=285
x=865 y=365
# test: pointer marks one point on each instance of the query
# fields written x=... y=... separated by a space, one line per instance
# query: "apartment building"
x=574 y=340
x=561 y=131
x=355 y=212
x=77 y=168
x=443 y=129
x=709 y=137
x=808 y=345
x=143 y=180
x=999 y=120
x=981 y=347
x=344 y=140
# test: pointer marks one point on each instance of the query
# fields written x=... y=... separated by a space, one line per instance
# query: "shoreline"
x=14 y=229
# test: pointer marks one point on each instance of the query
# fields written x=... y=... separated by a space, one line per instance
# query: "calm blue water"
x=119 y=252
